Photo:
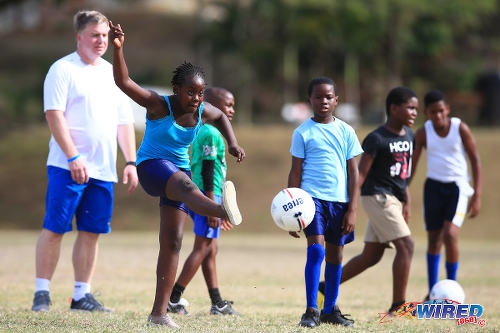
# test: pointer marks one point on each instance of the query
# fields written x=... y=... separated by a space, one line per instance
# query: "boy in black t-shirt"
x=383 y=172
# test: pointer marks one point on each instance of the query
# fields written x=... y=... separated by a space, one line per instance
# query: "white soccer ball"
x=292 y=209
x=447 y=289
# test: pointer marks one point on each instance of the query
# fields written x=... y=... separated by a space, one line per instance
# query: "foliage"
x=266 y=51
x=392 y=41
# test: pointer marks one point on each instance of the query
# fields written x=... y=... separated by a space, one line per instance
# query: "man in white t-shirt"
x=86 y=114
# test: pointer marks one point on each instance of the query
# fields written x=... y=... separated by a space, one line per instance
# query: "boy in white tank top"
x=447 y=190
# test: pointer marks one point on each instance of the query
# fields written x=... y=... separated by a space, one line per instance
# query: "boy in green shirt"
x=208 y=169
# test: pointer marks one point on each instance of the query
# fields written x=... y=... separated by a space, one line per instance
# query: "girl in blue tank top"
x=172 y=123
x=154 y=145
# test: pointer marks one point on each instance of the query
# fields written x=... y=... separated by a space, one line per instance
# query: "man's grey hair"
x=85 y=17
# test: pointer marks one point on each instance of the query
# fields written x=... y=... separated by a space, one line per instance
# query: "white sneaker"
x=163 y=320
x=229 y=203
x=179 y=307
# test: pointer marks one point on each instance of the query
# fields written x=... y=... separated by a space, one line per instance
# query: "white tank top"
x=446 y=160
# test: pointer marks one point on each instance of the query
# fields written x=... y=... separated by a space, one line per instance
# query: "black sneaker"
x=336 y=318
x=88 y=303
x=41 y=301
x=344 y=315
x=223 y=308
x=179 y=307
x=310 y=318
x=394 y=307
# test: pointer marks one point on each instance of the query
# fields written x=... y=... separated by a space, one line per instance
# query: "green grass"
x=259 y=266
x=262 y=273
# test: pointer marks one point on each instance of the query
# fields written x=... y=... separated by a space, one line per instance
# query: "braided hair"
x=184 y=71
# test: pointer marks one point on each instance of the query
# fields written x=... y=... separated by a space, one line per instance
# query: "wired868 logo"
x=438 y=309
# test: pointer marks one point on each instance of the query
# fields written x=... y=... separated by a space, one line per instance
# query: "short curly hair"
x=320 y=80
x=398 y=96
x=433 y=96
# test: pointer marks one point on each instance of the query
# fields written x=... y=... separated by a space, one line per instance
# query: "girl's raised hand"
x=116 y=34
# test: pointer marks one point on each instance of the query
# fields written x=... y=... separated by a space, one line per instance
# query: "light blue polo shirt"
x=325 y=149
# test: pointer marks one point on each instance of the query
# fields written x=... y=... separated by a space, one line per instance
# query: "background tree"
x=268 y=50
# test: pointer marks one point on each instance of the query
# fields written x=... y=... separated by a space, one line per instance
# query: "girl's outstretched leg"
x=181 y=188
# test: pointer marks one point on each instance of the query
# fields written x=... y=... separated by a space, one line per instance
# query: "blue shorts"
x=201 y=227
x=154 y=175
x=327 y=221
x=440 y=203
x=91 y=203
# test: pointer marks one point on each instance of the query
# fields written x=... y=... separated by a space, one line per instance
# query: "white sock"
x=42 y=284
x=81 y=288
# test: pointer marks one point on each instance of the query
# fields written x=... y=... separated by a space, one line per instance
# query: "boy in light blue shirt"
x=323 y=164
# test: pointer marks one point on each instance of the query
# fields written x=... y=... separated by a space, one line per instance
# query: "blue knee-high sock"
x=315 y=256
x=451 y=270
x=432 y=269
x=333 y=273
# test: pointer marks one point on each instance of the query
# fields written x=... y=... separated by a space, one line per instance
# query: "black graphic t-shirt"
x=392 y=162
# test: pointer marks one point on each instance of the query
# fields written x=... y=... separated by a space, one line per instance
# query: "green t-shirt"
x=209 y=145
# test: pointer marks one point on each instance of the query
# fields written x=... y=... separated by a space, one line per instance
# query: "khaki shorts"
x=385 y=218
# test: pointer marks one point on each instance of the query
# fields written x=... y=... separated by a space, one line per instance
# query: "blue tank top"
x=165 y=139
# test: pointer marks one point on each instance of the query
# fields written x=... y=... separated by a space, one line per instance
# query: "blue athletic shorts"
x=154 y=175
x=327 y=221
x=91 y=203
x=201 y=227
x=440 y=203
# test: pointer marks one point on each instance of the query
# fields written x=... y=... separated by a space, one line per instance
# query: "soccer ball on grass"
x=447 y=289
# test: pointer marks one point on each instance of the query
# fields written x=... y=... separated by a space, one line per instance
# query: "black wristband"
x=130 y=163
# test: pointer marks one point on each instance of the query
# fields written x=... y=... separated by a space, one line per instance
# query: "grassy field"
x=263 y=274
x=260 y=267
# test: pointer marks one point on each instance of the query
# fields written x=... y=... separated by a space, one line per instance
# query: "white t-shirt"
x=93 y=107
